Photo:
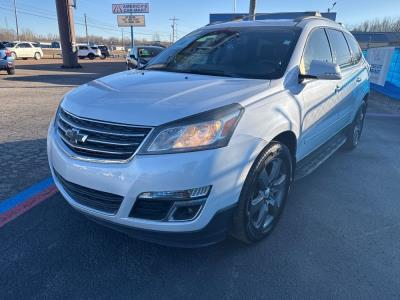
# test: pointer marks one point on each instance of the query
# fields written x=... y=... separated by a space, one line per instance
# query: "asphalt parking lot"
x=339 y=236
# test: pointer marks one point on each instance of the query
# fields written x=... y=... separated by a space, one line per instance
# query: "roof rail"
x=309 y=15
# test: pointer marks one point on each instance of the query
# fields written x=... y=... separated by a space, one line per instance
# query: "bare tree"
x=378 y=25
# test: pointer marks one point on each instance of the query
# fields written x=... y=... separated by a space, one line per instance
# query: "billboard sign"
x=131 y=8
x=379 y=59
x=131 y=20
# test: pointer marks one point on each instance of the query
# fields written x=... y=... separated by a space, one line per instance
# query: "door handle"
x=337 y=89
x=358 y=80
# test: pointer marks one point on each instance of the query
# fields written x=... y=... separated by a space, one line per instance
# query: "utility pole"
x=252 y=10
x=174 y=19
x=122 y=35
x=87 y=36
x=234 y=6
x=16 y=18
x=67 y=33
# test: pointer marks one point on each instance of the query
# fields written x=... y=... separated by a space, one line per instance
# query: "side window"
x=340 y=49
x=317 y=48
x=354 y=47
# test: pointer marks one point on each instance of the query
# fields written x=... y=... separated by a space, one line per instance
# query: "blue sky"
x=38 y=15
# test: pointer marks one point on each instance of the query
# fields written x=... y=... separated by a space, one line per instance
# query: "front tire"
x=355 y=130
x=37 y=56
x=91 y=56
x=264 y=194
x=11 y=71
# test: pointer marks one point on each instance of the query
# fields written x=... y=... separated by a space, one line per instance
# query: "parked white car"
x=87 y=51
x=207 y=138
x=25 y=50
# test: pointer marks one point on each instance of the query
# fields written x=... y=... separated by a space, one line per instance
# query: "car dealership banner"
x=379 y=59
x=130 y=8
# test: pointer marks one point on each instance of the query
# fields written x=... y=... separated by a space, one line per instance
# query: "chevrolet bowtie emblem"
x=75 y=136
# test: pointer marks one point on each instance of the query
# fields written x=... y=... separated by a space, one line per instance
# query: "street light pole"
x=16 y=19
x=234 y=6
x=252 y=10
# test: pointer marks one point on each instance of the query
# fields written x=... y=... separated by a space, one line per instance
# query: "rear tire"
x=102 y=57
x=91 y=56
x=355 y=129
x=264 y=194
x=11 y=71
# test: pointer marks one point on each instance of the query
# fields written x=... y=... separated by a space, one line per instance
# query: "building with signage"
x=377 y=39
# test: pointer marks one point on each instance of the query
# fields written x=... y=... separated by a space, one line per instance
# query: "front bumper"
x=225 y=169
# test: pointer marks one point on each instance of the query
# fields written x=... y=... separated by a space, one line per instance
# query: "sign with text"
x=131 y=20
x=131 y=8
x=379 y=59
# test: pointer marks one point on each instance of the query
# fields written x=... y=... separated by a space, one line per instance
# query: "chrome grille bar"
x=100 y=140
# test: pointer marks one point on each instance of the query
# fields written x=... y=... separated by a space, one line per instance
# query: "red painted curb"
x=27 y=205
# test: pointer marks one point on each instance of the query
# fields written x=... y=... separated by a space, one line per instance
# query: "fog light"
x=191 y=194
x=185 y=213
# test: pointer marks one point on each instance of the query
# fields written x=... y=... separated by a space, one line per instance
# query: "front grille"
x=151 y=209
x=101 y=201
x=99 y=139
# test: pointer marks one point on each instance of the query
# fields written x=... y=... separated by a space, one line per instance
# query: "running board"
x=310 y=163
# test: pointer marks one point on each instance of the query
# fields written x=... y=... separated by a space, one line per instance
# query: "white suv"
x=87 y=51
x=204 y=141
x=25 y=50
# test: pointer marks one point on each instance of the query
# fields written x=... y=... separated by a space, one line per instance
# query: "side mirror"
x=323 y=70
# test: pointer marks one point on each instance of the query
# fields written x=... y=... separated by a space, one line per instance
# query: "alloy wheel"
x=268 y=195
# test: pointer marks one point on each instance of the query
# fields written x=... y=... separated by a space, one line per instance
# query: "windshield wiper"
x=213 y=73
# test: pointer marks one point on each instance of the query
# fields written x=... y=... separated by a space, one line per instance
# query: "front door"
x=319 y=97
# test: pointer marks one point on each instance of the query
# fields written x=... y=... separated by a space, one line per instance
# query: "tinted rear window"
x=340 y=50
x=2 y=46
x=355 y=48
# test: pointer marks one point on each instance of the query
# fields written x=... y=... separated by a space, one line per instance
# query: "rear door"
x=360 y=72
x=318 y=96
x=342 y=56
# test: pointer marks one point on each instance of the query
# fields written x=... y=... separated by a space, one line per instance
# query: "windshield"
x=149 y=52
x=248 y=52
x=10 y=45
x=2 y=46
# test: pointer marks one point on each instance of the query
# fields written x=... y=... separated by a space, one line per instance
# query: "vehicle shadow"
x=57 y=79
x=86 y=66
x=22 y=164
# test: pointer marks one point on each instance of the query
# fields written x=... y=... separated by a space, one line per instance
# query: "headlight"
x=209 y=130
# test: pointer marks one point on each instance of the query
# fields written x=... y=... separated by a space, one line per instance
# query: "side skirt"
x=312 y=161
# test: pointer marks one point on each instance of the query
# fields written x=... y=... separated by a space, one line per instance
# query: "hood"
x=152 y=97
